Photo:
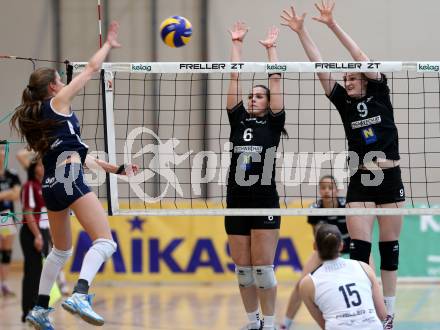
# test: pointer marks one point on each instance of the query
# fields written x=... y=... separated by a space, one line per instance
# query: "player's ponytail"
x=26 y=119
x=328 y=241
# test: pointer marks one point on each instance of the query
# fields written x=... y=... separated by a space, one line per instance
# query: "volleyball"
x=176 y=31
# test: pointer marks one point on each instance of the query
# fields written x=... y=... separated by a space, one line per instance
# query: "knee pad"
x=59 y=257
x=6 y=256
x=360 y=250
x=105 y=247
x=389 y=255
x=245 y=276
x=264 y=277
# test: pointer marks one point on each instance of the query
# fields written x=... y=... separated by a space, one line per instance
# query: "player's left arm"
x=378 y=300
x=276 y=98
x=326 y=17
x=307 y=293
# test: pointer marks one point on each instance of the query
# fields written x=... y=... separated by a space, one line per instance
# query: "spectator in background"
x=9 y=192
x=35 y=236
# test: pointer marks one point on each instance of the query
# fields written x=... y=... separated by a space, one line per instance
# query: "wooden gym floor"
x=205 y=306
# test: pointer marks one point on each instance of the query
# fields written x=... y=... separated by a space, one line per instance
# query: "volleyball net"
x=171 y=120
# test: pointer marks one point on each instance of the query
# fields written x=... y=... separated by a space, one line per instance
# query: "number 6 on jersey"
x=247 y=134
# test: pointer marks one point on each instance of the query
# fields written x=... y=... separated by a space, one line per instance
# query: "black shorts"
x=59 y=191
x=242 y=225
x=390 y=190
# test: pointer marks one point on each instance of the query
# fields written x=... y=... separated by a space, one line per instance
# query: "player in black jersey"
x=367 y=114
x=255 y=135
x=46 y=121
x=9 y=193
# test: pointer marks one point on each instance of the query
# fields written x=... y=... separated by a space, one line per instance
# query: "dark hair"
x=27 y=116
x=267 y=90
x=328 y=240
x=328 y=176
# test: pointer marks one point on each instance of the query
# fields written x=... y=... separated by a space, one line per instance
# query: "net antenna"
x=174 y=167
x=99 y=23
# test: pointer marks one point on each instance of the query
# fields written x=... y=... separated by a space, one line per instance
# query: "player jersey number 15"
x=351 y=295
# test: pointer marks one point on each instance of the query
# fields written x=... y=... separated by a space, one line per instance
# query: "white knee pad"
x=105 y=247
x=264 y=277
x=245 y=276
x=59 y=257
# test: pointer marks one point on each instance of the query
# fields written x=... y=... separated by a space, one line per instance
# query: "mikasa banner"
x=184 y=248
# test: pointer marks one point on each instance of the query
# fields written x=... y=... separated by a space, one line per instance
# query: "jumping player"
x=46 y=121
x=255 y=135
x=367 y=115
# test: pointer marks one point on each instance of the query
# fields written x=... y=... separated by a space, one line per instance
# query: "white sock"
x=51 y=267
x=389 y=304
x=254 y=319
x=287 y=322
x=91 y=264
x=269 y=322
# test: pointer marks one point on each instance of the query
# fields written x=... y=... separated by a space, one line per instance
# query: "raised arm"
x=325 y=9
x=238 y=32
x=276 y=99
x=296 y=23
x=63 y=99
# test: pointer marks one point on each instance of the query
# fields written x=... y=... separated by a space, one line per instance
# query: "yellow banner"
x=185 y=249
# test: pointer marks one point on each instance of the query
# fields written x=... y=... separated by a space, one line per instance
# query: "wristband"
x=120 y=169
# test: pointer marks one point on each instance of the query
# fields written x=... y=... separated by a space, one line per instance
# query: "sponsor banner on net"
x=350 y=66
x=141 y=67
x=428 y=66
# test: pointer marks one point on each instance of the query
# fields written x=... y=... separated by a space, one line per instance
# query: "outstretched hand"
x=112 y=35
x=130 y=170
x=272 y=36
x=238 y=31
x=290 y=19
x=326 y=12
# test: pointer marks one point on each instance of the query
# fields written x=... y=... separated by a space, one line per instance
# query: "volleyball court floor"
x=186 y=306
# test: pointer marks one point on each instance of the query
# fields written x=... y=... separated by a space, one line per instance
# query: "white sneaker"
x=81 y=304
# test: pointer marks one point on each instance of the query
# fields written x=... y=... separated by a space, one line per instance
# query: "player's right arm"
x=307 y=293
x=296 y=23
x=238 y=32
x=62 y=101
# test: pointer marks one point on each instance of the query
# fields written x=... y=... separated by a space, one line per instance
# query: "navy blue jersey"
x=66 y=136
x=368 y=121
x=337 y=220
x=252 y=137
x=8 y=180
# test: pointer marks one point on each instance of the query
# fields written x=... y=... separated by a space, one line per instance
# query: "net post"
x=109 y=138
